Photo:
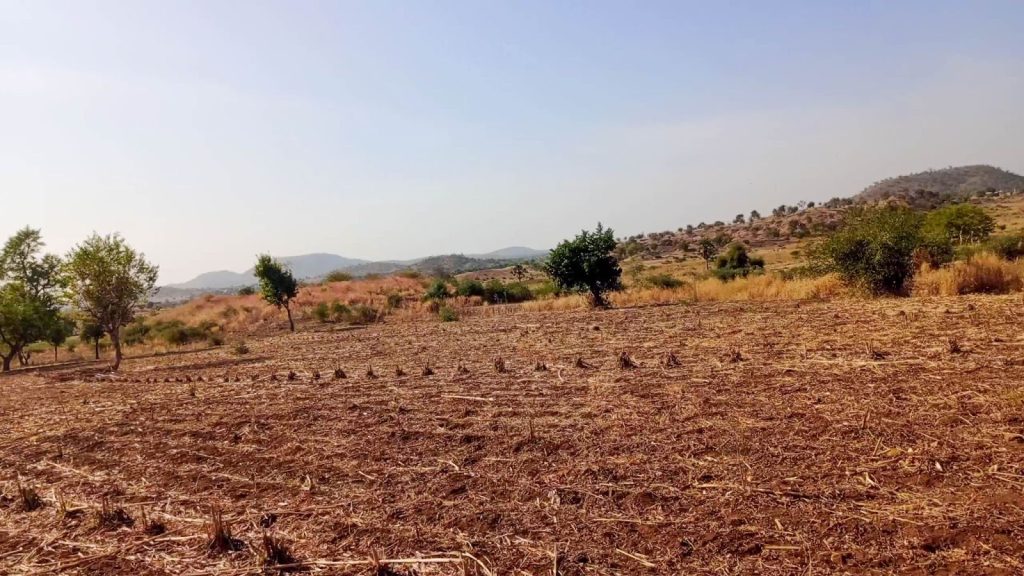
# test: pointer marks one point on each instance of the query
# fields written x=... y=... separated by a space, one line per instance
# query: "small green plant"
x=447 y=314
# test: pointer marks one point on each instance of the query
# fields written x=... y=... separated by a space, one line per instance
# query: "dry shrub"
x=769 y=287
x=983 y=273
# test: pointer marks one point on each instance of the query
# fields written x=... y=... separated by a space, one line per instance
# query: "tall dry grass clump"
x=983 y=273
x=769 y=287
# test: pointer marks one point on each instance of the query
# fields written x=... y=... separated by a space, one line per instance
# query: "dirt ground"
x=859 y=437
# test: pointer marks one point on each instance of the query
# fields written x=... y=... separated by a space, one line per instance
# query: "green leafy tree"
x=92 y=332
x=29 y=293
x=961 y=223
x=438 y=290
x=109 y=281
x=277 y=285
x=58 y=331
x=586 y=264
x=873 y=249
x=707 y=249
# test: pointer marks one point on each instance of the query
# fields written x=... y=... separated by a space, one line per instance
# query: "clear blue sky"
x=208 y=131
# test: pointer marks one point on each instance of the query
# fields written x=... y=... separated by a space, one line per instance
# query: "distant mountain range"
x=315 y=266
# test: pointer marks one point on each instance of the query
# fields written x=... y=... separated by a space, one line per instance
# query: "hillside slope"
x=950 y=183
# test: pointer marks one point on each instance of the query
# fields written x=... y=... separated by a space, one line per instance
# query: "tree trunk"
x=54 y=354
x=291 y=323
x=115 y=337
x=97 y=348
x=7 y=360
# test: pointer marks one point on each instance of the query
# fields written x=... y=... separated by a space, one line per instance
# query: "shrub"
x=470 y=287
x=322 y=312
x=498 y=292
x=874 y=249
x=240 y=348
x=339 y=311
x=983 y=273
x=413 y=274
x=338 y=276
x=447 y=314
x=215 y=339
x=663 y=281
x=737 y=263
x=361 y=314
x=545 y=289
x=136 y=333
x=1008 y=247
x=394 y=301
x=246 y=291
x=438 y=290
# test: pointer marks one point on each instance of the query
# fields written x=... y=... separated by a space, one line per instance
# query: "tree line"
x=97 y=288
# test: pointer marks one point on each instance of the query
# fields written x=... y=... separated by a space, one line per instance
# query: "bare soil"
x=858 y=437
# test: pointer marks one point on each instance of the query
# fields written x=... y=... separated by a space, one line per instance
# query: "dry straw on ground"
x=847 y=437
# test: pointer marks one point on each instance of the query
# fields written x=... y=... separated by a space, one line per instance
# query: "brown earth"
x=855 y=437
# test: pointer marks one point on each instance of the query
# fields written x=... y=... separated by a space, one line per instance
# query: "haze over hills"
x=311 y=266
x=953 y=182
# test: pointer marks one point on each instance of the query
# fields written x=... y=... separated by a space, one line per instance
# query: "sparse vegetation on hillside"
x=931 y=188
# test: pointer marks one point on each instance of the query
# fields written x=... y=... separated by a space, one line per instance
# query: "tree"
x=586 y=264
x=754 y=215
x=519 y=272
x=91 y=332
x=707 y=250
x=277 y=285
x=29 y=293
x=58 y=331
x=874 y=249
x=109 y=281
x=739 y=219
x=962 y=223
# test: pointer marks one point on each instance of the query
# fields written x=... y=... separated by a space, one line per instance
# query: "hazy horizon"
x=206 y=133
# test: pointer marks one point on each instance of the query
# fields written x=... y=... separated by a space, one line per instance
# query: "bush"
x=136 y=333
x=438 y=290
x=339 y=311
x=545 y=289
x=322 y=312
x=983 y=273
x=361 y=314
x=338 y=276
x=667 y=281
x=737 y=263
x=240 y=348
x=246 y=291
x=447 y=314
x=470 y=287
x=874 y=249
x=1008 y=247
x=394 y=301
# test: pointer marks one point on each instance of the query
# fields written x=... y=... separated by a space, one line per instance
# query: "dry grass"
x=982 y=274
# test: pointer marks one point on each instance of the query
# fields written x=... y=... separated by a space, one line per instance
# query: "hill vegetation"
x=937 y=186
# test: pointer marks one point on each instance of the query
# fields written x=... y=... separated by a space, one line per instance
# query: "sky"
x=206 y=132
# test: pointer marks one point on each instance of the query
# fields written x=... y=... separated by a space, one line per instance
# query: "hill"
x=937 y=186
x=314 y=266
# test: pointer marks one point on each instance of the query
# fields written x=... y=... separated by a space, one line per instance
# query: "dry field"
x=876 y=437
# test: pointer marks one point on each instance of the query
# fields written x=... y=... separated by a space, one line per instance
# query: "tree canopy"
x=277 y=284
x=108 y=282
x=586 y=264
x=30 y=294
